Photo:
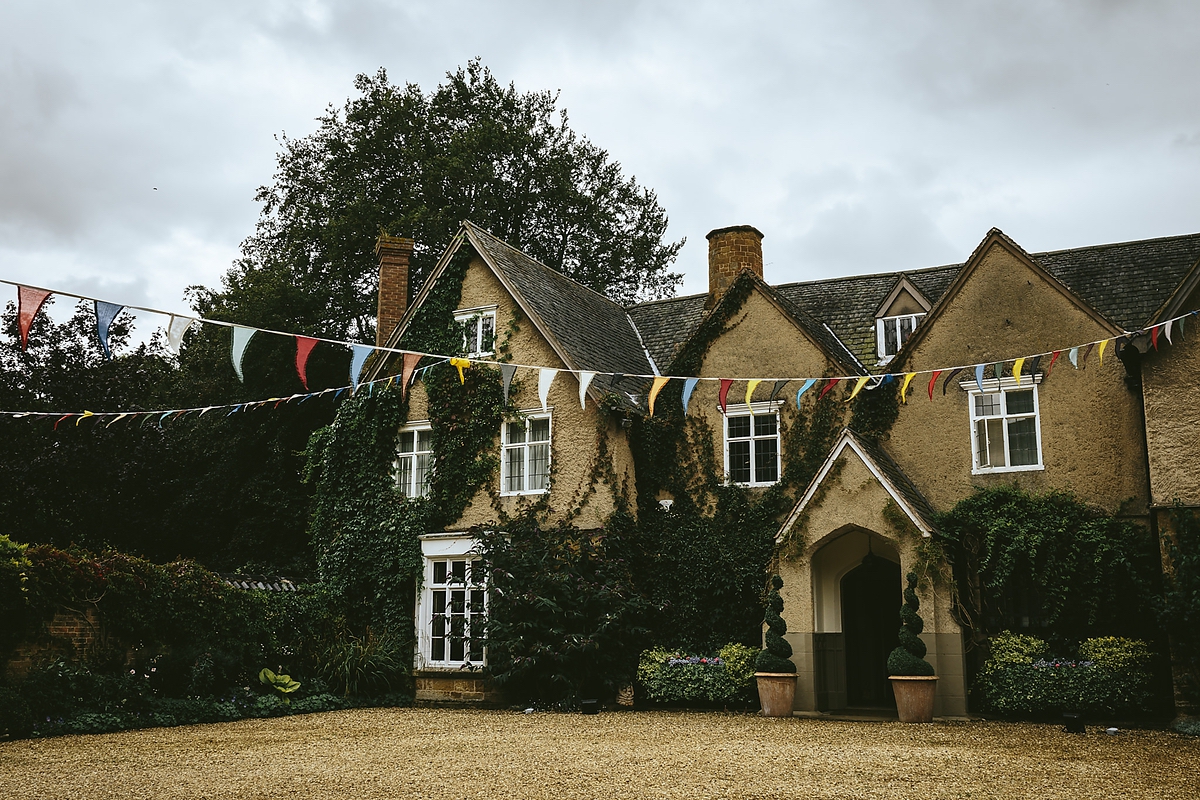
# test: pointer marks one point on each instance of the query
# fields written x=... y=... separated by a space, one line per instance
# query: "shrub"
x=1110 y=676
x=671 y=678
x=375 y=662
x=777 y=655
x=909 y=657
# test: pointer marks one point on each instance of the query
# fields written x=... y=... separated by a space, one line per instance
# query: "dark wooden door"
x=870 y=621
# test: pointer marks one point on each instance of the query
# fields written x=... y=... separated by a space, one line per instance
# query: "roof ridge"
x=892 y=274
x=1116 y=244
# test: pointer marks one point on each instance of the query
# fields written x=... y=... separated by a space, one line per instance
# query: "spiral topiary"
x=775 y=658
x=909 y=657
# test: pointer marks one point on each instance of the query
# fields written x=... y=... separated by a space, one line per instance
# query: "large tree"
x=416 y=164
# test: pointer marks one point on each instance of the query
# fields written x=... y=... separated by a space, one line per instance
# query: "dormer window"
x=893 y=332
x=479 y=330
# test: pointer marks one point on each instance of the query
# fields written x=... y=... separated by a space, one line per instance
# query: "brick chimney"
x=393 y=253
x=731 y=250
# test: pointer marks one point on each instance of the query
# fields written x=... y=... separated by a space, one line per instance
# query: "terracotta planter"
x=776 y=693
x=914 y=696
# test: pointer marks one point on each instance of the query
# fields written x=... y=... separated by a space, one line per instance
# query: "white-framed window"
x=479 y=330
x=1006 y=429
x=752 y=444
x=414 y=459
x=452 y=604
x=525 y=456
x=892 y=332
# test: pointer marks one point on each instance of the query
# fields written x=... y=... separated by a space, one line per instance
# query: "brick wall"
x=456 y=688
x=731 y=250
x=69 y=636
x=393 y=253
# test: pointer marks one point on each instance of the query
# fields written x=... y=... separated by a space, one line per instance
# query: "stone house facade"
x=1119 y=430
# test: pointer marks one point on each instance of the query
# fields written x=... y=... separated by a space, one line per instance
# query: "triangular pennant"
x=978 y=377
x=241 y=338
x=689 y=386
x=409 y=363
x=1153 y=337
x=176 y=328
x=585 y=379
x=750 y=387
x=862 y=381
x=105 y=314
x=304 y=346
x=507 y=371
x=723 y=393
x=545 y=378
x=358 y=359
x=776 y=389
x=1180 y=321
x=1167 y=330
x=460 y=364
x=29 y=302
x=1103 y=345
x=616 y=378
x=950 y=377
x=655 y=388
x=932 y=382
x=1087 y=353
x=998 y=370
x=808 y=384
x=832 y=383
x=1017 y=366
x=1053 y=357
x=904 y=387
x=83 y=416
x=1073 y=357
x=1033 y=364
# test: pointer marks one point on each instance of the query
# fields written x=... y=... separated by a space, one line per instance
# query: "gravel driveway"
x=451 y=754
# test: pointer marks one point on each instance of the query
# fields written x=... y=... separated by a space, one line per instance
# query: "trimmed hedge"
x=673 y=678
x=1111 y=676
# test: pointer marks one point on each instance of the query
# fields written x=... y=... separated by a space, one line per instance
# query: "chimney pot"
x=393 y=253
x=731 y=250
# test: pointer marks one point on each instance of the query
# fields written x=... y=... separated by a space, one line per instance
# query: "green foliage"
x=1047 y=563
x=15 y=608
x=909 y=657
x=374 y=663
x=874 y=411
x=280 y=683
x=673 y=678
x=565 y=620
x=1110 y=677
x=776 y=657
x=1179 y=607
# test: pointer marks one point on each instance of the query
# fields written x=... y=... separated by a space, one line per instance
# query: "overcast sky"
x=858 y=136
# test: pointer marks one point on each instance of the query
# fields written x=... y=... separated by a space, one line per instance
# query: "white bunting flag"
x=545 y=378
x=585 y=379
x=176 y=328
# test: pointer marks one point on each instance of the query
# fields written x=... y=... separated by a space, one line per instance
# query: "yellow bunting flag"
x=460 y=363
x=1104 y=344
x=904 y=389
x=1020 y=362
x=85 y=414
x=858 y=387
x=659 y=383
x=750 y=387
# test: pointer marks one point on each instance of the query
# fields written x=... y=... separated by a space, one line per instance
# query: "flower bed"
x=669 y=677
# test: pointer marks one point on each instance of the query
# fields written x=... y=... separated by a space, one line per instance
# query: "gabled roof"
x=666 y=324
x=886 y=471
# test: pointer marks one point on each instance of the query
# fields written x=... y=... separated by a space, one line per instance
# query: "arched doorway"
x=871 y=598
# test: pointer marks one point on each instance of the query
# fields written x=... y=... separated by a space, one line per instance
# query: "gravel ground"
x=451 y=754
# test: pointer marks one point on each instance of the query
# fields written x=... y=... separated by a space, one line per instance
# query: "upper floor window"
x=1005 y=427
x=752 y=444
x=452 y=605
x=893 y=332
x=525 y=460
x=414 y=459
x=479 y=330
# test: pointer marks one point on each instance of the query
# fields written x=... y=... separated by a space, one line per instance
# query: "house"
x=1115 y=428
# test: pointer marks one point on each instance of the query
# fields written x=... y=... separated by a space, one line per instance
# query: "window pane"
x=889 y=337
x=439 y=576
x=424 y=440
x=438 y=650
x=476 y=648
x=516 y=432
x=1022 y=442
x=906 y=327
x=766 y=470
x=404 y=475
x=406 y=442
x=1020 y=402
x=439 y=625
x=458 y=604
x=456 y=648
x=766 y=425
x=981 y=448
x=514 y=469
x=995 y=439
x=738 y=427
x=539 y=467
x=539 y=430
x=458 y=572
x=487 y=333
x=739 y=461
x=987 y=405
x=423 y=472
x=476 y=602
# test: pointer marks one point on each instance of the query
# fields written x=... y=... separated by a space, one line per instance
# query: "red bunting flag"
x=29 y=302
x=1053 y=357
x=1154 y=337
x=406 y=371
x=933 y=382
x=304 y=346
x=724 y=393
x=832 y=383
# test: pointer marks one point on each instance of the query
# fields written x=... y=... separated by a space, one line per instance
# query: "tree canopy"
x=411 y=163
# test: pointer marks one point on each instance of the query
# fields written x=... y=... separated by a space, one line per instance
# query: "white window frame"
x=473 y=344
x=410 y=492
x=447 y=547
x=753 y=410
x=881 y=337
x=526 y=417
x=1004 y=385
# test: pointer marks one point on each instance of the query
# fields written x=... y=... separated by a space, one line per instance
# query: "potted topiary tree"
x=913 y=681
x=775 y=672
